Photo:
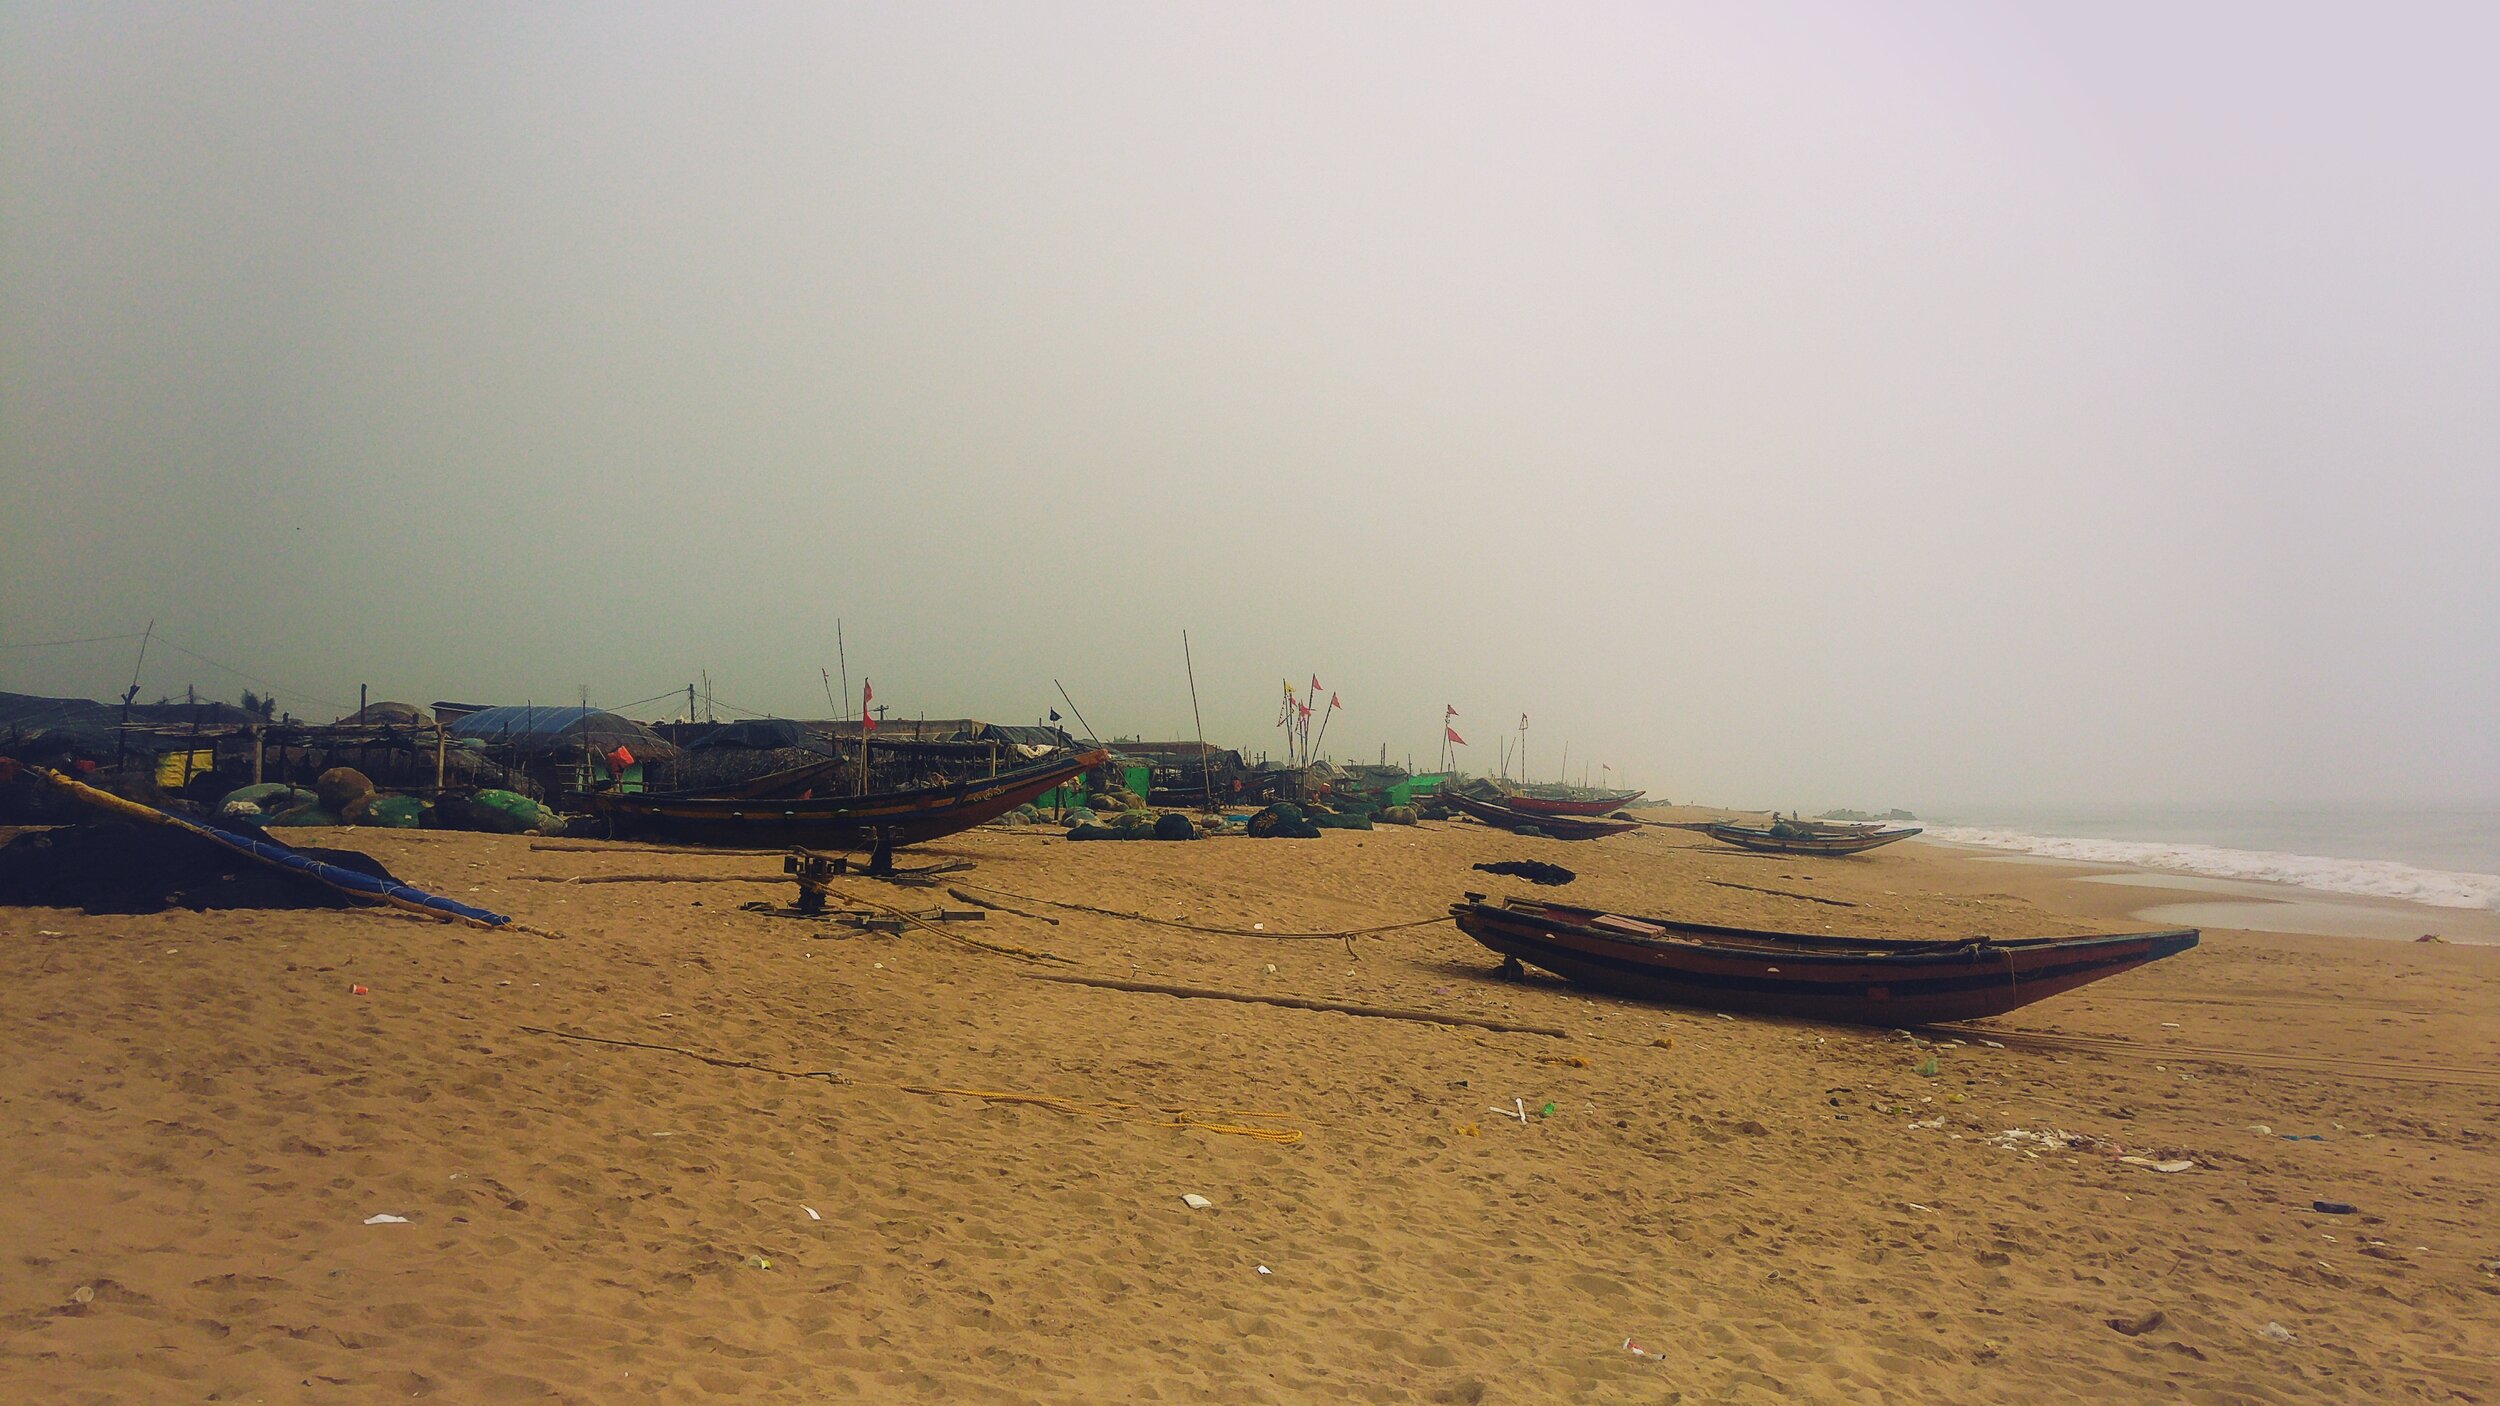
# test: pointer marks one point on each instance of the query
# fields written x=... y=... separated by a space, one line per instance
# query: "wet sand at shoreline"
x=202 y=1117
x=2161 y=899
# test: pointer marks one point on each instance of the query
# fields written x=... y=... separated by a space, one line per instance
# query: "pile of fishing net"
x=118 y=867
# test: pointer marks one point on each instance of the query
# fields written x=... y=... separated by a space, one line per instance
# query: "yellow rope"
x=1134 y=1113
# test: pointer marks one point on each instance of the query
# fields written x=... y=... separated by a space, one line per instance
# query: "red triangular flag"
x=867 y=695
x=1454 y=737
x=1449 y=710
x=1314 y=683
x=1333 y=703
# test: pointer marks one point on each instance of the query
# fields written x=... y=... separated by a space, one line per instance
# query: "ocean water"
x=2445 y=856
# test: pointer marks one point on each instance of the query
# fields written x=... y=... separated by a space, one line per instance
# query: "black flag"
x=1054 y=715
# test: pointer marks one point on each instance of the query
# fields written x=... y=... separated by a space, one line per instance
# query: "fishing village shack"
x=717 y=754
x=1186 y=773
x=904 y=753
x=202 y=751
x=398 y=746
x=1386 y=785
x=901 y=753
x=562 y=751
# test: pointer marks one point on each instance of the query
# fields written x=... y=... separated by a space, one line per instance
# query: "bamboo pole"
x=1080 y=713
x=1206 y=767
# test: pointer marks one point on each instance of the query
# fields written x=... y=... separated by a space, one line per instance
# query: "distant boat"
x=1560 y=827
x=1568 y=800
x=1860 y=981
x=1805 y=837
x=882 y=820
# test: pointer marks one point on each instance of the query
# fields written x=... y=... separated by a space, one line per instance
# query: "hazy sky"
x=1788 y=405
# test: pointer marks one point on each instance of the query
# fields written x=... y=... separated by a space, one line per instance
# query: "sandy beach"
x=761 y=1199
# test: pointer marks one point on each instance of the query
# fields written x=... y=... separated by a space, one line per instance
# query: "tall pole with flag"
x=1333 y=706
x=867 y=725
x=1449 y=737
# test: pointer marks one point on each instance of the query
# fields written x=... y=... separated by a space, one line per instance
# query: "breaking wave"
x=2374 y=878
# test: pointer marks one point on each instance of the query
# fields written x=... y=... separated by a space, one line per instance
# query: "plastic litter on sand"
x=1194 y=1201
x=385 y=1218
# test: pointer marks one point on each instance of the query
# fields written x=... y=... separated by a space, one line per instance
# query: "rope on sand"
x=714 y=1060
x=1783 y=893
x=1001 y=948
x=1202 y=927
x=1119 y=1112
x=653 y=878
x=1200 y=1119
x=1303 y=1003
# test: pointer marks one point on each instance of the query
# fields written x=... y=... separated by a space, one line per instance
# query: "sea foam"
x=2375 y=878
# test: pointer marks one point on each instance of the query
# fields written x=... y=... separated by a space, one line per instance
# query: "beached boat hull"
x=1851 y=981
x=833 y=822
x=1764 y=842
x=1560 y=827
x=1549 y=805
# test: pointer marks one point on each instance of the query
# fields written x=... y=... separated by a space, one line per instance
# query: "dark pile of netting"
x=124 y=868
x=1535 y=872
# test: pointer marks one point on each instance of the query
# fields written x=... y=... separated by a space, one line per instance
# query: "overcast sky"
x=1786 y=405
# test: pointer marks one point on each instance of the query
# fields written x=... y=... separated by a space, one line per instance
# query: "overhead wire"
x=55 y=644
x=249 y=677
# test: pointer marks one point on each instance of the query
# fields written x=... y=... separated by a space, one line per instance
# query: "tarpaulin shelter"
x=529 y=730
x=763 y=734
x=564 y=749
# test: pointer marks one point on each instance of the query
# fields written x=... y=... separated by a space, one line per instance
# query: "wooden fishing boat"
x=1834 y=827
x=1861 y=981
x=881 y=820
x=1560 y=827
x=1563 y=801
x=1787 y=838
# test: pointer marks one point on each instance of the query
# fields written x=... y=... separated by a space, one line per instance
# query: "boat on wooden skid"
x=878 y=820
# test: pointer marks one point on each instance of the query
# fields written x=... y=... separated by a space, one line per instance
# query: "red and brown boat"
x=1560 y=827
x=1854 y=980
x=882 y=820
x=1571 y=800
